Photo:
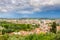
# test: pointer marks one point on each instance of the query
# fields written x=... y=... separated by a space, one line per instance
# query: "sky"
x=29 y=8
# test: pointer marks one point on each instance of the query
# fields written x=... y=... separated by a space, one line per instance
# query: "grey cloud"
x=27 y=5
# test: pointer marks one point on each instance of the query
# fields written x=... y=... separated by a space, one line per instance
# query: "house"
x=58 y=28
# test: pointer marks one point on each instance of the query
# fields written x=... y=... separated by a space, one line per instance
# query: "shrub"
x=48 y=36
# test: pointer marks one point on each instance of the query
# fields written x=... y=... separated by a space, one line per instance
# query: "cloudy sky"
x=29 y=8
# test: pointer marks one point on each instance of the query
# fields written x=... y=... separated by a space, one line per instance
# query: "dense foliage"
x=54 y=27
x=48 y=36
x=11 y=27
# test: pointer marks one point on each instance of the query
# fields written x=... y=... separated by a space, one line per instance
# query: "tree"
x=53 y=29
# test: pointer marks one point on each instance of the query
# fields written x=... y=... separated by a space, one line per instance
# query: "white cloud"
x=13 y=1
x=21 y=5
x=25 y=12
x=3 y=9
x=44 y=2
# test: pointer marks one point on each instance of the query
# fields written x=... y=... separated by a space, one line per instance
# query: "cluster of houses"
x=45 y=25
